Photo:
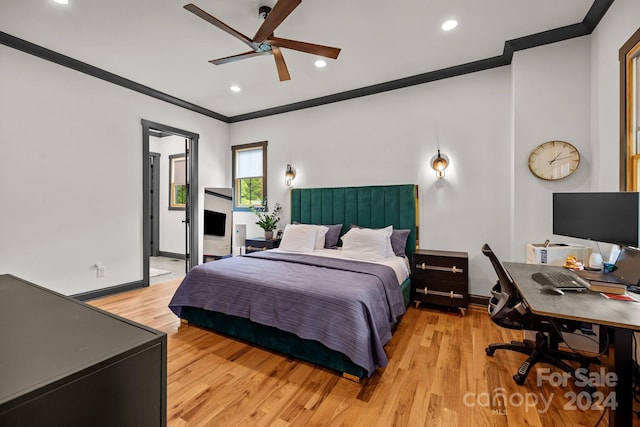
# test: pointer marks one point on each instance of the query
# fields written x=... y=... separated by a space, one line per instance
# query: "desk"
x=621 y=316
x=65 y=363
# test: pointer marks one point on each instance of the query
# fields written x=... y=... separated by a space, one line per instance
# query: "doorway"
x=187 y=178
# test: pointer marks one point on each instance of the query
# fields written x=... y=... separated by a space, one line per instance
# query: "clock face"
x=554 y=160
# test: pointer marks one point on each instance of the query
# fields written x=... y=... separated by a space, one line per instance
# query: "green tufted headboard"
x=373 y=206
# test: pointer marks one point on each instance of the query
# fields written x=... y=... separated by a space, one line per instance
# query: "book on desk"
x=607 y=287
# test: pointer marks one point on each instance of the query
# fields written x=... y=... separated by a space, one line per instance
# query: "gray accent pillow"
x=398 y=239
x=332 y=236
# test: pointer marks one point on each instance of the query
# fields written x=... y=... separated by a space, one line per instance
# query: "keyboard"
x=558 y=279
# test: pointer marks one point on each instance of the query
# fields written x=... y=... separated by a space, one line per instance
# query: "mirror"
x=218 y=223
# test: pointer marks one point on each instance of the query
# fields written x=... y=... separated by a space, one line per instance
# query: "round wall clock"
x=553 y=160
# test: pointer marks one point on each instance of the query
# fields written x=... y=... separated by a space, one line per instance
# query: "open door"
x=187 y=176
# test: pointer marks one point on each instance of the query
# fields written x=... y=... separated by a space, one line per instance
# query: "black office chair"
x=508 y=309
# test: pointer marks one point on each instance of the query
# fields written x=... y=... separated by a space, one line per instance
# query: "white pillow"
x=299 y=238
x=368 y=243
x=321 y=232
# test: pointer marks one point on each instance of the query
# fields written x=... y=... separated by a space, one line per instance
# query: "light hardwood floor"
x=438 y=375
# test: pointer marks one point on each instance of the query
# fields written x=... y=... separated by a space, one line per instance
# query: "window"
x=177 y=182
x=249 y=174
x=630 y=114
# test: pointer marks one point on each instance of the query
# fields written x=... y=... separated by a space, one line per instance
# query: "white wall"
x=71 y=176
x=172 y=229
x=551 y=102
x=389 y=138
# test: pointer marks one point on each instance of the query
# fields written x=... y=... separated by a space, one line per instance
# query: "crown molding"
x=597 y=11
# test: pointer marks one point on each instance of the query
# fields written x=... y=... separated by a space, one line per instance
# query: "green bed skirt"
x=278 y=340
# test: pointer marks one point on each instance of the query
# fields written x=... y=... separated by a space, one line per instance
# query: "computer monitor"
x=603 y=217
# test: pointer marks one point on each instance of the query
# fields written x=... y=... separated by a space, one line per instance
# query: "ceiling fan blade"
x=237 y=57
x=316 y=49
x=280 y=11
x=215 y=21
x=283 y=71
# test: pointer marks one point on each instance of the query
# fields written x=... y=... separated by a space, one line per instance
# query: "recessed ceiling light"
x=62 y=1
x=320 y=63
x=235 y=88
x=449 y=25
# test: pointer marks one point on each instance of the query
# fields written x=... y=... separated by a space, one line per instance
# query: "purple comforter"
x=349 y=306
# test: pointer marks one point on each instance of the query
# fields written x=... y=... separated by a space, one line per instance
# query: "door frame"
x=191 y=212
x=154 y=208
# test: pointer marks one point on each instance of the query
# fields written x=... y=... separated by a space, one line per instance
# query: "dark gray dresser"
x=65 y=363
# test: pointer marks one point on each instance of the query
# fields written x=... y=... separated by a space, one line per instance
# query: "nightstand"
x=440 y=278
x=258 y=244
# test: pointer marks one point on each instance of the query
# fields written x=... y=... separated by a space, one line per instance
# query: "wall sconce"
x=289 y=175
x=439 y=163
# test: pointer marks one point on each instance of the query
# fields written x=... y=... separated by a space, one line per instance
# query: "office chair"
x=508 y=310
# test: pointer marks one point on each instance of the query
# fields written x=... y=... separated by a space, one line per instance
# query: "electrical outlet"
x=100 y=269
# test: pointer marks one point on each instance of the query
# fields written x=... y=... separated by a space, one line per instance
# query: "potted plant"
x=267 y=221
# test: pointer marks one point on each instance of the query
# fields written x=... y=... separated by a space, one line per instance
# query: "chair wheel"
x=519 y=379
x=489 y=351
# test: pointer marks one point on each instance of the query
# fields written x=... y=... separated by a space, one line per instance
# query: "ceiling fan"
x=264 y=42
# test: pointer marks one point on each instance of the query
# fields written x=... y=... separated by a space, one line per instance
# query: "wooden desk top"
x=585 y=306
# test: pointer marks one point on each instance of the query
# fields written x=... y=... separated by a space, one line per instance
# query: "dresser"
x=440 y=278
x=65 y=363
x=258 y=244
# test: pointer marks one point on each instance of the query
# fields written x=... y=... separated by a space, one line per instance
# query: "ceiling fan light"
x=320 y=63
x=235 y=88
x=449 y=25
x=61 y=1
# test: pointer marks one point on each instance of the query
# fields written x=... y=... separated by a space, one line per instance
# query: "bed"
x=341 y=314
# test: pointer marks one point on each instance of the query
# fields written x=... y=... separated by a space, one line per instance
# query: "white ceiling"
x=159 y=44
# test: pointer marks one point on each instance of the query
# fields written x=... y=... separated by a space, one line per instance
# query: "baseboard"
x=479 y=300
x=99 y=293
x=172 y=255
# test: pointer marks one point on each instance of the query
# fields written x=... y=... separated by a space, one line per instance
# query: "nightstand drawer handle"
x=256 y=248
x=453 y=269
x=450 y=294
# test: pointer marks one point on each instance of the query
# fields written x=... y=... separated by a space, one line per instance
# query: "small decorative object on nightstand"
x=267 y=221
x=258 y=244
x=440 y=278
